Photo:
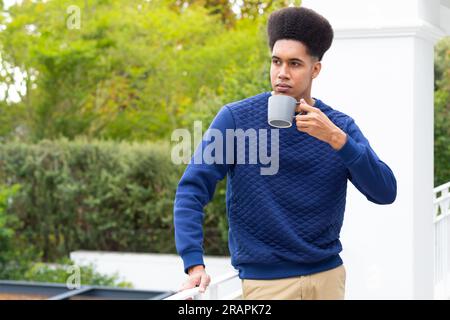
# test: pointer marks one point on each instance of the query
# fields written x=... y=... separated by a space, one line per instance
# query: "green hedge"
x=100 y=195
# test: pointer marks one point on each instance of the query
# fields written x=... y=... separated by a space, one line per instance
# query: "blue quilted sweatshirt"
x=284 y=224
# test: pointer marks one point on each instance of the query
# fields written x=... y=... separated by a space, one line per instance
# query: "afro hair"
x=301 y=24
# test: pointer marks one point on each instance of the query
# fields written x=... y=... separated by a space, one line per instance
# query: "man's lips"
x=282 y=88
x=282 y=85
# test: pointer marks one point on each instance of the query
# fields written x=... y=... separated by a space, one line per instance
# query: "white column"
x=379 y=70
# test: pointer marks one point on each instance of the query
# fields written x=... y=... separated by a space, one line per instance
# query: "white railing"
x=441 y=216
x=212 y=292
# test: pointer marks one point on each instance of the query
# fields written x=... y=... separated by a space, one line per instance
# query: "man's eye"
x=275 y=61
x=296 y=64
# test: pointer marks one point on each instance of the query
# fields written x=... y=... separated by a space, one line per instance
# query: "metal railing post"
x=441 y=219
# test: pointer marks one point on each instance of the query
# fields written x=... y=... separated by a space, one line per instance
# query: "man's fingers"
x=192 y=282
x=305 y=117
x=206 y=279
x=185 y=286
x=200 y=280
x=303 y=106
x=297 y=109
x=303 y=125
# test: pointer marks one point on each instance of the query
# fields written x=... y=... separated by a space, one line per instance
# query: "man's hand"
x=318 y=125
x=197 y=278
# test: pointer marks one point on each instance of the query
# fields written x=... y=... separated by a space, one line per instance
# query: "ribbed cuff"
x=191 y=259
x=350 y=151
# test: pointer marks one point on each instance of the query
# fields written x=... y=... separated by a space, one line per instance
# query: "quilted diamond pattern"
x=295 y=215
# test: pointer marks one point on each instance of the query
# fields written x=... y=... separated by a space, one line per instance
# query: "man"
x=284 y=228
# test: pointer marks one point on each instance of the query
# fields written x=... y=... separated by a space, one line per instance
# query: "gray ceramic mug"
x=281 y=111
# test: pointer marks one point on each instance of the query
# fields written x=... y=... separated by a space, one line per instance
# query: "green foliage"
x=231 y=11
x=100 y=196
x=15 y=254
x=60 y=273
x=134 y=70
x=442 y=113
x=18 y=256
x=245 y=77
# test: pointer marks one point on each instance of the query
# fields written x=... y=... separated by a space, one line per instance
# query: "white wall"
x=365 y=79
x=380 y=71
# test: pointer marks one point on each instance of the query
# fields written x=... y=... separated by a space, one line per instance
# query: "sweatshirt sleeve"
x=196 y=189
x=371 y=176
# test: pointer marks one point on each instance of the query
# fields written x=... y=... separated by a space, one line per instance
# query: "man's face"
x=294 y=68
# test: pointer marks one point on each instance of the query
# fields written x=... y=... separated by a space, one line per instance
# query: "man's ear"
x=316 y=69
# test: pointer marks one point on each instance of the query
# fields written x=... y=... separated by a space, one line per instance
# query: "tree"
x=134 y=70
x=230 y=11
x=442 y=113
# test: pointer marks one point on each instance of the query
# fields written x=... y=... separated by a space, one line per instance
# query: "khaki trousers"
x=326 y=285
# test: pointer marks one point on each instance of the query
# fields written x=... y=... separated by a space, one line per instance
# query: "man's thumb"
x=204 y=282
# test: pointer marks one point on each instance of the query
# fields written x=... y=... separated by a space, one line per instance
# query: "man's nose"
x=283 y=73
